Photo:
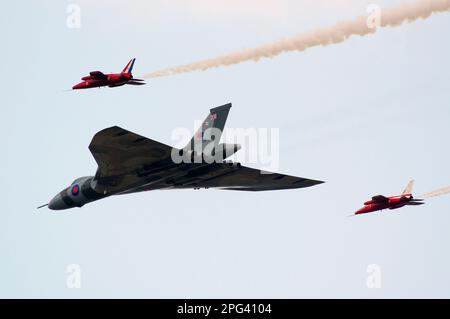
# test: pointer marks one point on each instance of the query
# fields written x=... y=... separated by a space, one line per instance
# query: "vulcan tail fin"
x=129 y=67
x=409 y=188
x=211 y=129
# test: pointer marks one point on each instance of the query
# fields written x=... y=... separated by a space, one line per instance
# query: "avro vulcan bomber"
x=130 y=163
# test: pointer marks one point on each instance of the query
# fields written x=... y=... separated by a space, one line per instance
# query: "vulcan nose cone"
x=57 y=203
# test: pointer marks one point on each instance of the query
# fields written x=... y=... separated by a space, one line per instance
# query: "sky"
x=366 y=116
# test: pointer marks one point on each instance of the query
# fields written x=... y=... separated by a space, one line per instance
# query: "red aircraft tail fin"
x=129 y=67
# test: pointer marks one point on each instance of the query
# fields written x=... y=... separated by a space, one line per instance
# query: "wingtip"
x=318 y=182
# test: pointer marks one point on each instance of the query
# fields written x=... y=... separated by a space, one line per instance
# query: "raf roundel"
x=75 y=190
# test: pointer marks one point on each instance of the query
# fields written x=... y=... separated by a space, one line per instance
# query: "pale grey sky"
x=365 y=116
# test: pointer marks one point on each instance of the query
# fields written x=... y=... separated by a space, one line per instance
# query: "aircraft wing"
x=120 y=152
x=136 y=82
x=415 y=203
x=98 y=75
x=380 y=199
x=241 y=178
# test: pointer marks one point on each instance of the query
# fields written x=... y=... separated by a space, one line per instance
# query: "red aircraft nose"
x=363 y=210
x=81 y=85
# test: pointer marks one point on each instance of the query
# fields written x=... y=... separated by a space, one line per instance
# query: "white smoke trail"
x=340 y=32
x=437 y=192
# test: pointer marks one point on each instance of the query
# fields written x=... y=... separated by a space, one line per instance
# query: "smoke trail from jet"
x=437 y=192
x=389 y=17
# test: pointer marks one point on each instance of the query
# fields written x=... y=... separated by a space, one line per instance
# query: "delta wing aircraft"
x=130 y=163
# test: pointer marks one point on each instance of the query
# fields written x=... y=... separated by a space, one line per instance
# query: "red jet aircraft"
x=98 y=79
x=381 y=202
